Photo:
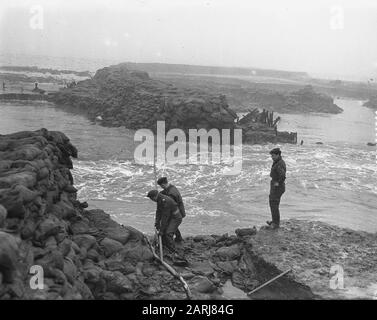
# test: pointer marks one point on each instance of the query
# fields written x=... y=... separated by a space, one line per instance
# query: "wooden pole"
x=160 y=245
x=268 y=282
x=171 y=270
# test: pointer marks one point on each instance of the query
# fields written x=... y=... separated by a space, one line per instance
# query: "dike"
x=86 y=255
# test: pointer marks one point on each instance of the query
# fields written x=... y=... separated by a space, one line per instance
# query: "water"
x=334 y=182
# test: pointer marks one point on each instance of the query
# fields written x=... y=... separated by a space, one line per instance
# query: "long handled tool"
x=171 y=270
x=269 y=281
x=158 y=243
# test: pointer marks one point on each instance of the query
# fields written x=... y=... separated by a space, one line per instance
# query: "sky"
x=332 y=37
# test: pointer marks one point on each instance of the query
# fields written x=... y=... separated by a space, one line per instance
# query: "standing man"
x=173 y=193
x=168 y=217
x=277 y=186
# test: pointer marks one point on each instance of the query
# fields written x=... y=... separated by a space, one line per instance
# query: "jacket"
x=173 y=193
x=167 y=209
x=278 y=171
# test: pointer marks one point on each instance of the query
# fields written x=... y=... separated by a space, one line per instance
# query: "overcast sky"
x=320 y=37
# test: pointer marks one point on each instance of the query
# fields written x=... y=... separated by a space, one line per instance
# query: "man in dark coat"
x=171 y=191
x=168 y=217
x=277 y=186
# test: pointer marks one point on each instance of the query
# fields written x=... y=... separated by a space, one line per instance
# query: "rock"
x=136 y=252
x=208 y=239
x=28 y=229
x=203 y=268
x=53 y=259
x=48 y=227
x=116 y=282
x=3 y=216
x=85 y=241
x=93 y=254
x=65 y=247
x=119 y=234
x=70 y=270
x=79 y=227
x=92 y=273
x=110 y=246
x=201 y=284
x=230 y=253
x=8 y=256
x=111 y=89
x=124 y=267
x=51 y=243
x=227 y=267
x=246 y=232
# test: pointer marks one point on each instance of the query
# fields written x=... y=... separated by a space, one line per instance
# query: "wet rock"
x=70 y=270
x=116 y=282
x=119 y=234
x=208 y=239
x=48 y=227
x=93 y=254
x=230 y=253
x=203 y=268
x=28 y=229
x=86 y=241
x=51 y=243
x=79 y=227
x=8 y=256
x=119 y=265
x=53 y=259
x=3 y=216
x=226 y=267
x=136 y=252
x=201 y=284
x=246 y=232
x=110 y=246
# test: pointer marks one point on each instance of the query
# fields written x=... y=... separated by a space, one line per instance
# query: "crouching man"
x=168 y=217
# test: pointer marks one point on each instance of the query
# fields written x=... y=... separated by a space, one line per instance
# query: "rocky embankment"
x=86 y=255
x=371 y=103
x=304 y=100
x=118 y=96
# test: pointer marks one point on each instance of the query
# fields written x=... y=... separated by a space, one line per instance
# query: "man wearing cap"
x=171 y=191
x=168 y=217
x=277 y=186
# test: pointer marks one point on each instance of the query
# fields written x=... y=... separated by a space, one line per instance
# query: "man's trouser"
x=274 y=197
x=172 y=228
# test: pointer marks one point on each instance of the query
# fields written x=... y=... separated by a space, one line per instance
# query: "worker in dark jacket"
x=168 y=217
x=171 y=191
x=277 y=186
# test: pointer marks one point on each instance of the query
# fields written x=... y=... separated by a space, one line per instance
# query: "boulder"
x=136 y=252
x=246 y=232
x=9 y=245
x=3 y=216
x=50 y=226
x=229 y=253
x=201 y=284
x=110 y=246
x=119 y=234
x=202 y=268
x=116 y=282
x=85 y=241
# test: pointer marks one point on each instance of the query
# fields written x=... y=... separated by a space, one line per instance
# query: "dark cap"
x=152 y=194
x=276 y=151
x=162 y=180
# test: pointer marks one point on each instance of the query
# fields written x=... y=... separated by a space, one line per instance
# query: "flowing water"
x=335 y=182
